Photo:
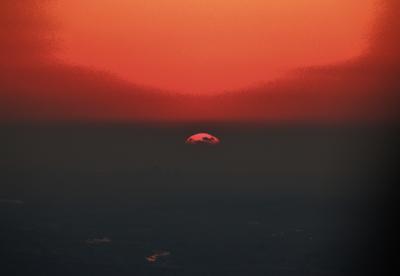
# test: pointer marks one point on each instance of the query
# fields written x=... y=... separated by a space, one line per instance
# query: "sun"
x=203 y=139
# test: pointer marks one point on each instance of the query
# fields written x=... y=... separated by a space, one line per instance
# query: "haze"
x=205 y=46
x=89 y=61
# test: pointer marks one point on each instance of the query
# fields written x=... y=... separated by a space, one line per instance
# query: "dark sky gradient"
x=36 y=87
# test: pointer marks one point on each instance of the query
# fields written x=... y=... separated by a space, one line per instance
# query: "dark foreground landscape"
x=135 y=200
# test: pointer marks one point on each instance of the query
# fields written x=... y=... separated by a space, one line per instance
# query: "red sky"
x=91 y=60
x=208 y=46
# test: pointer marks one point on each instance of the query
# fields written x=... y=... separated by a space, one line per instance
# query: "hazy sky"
x=204 y=46
x=67 y=60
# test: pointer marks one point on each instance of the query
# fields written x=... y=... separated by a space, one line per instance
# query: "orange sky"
x=204 y=46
